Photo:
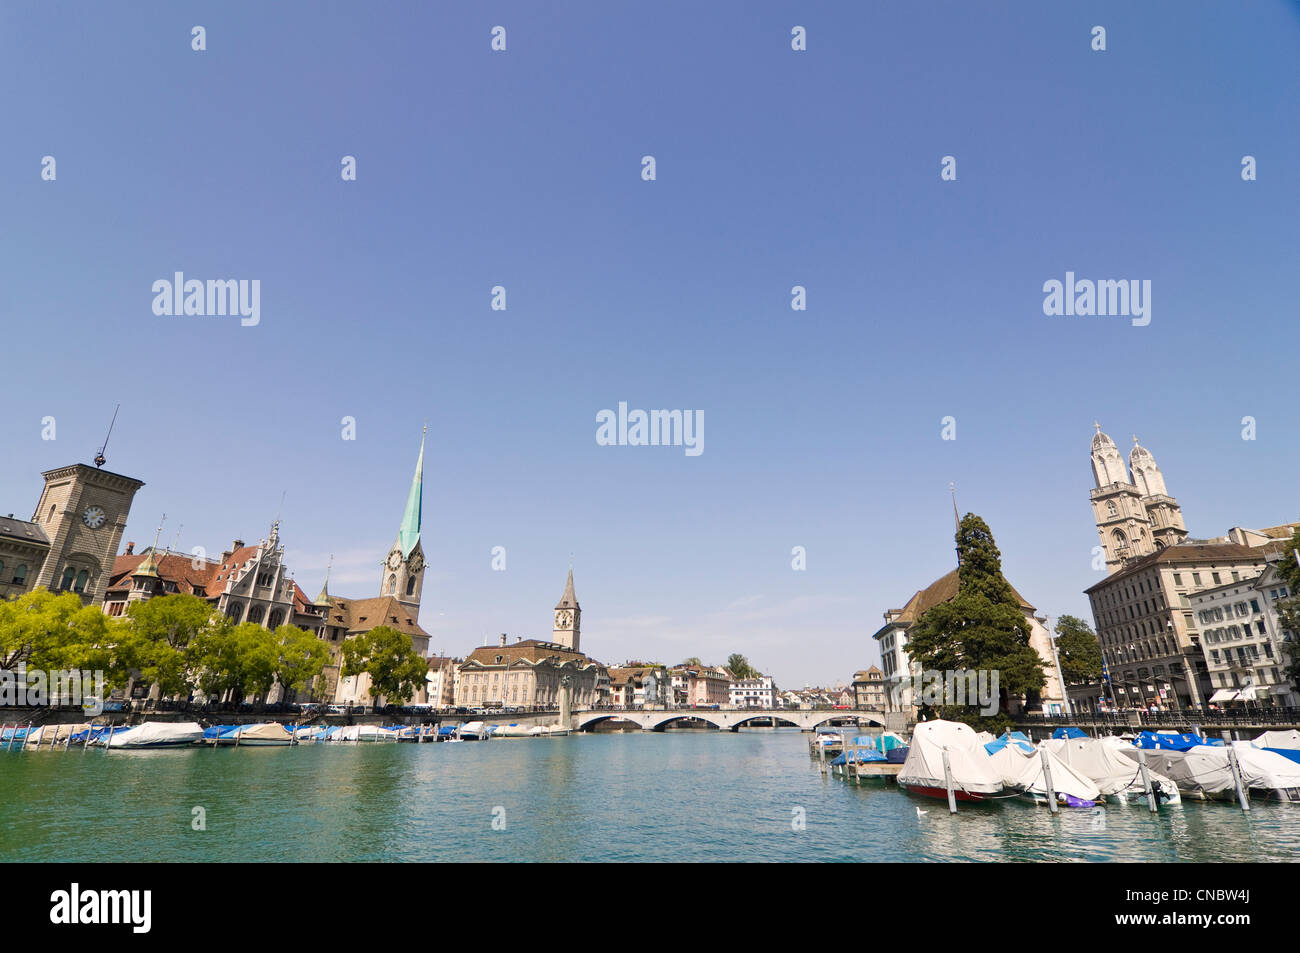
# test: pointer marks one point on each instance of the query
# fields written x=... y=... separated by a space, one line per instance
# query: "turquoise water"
x=675 y=796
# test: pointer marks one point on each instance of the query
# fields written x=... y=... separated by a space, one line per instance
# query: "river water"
x=672 y=796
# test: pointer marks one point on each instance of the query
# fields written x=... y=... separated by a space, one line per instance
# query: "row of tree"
x=180 y=646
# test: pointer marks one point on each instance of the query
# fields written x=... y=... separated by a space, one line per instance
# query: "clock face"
x=416 y=563
x=94 y=517
x=563 y=618
x=394 y=559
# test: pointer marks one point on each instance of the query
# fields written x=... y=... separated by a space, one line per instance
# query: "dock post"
x=947 y=783
x=238 y=734
x=2 y=734
x=1242 y=796
x=1146 y=780
x=109 y=742
x=67 y=742
x=1047 y=779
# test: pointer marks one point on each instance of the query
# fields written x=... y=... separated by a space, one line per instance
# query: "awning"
x=1247 y=694
x=1224 y=695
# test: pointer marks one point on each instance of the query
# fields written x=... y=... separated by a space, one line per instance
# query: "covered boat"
x=973 y=775
x=53 y=736
x=1283 y=743
x=1023 y=768
x=1115 y=775
x=154 y=734
x=474 y=731
x=265 y=735
x=1205 y=773
x=513 y=730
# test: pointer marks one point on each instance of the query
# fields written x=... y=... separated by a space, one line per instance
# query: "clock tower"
x=82 y=512
x=403 y=571
x=568 y=618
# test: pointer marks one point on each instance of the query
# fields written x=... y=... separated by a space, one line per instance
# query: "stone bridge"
x=730 y=719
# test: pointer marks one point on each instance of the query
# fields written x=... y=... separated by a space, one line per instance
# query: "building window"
x=20 y=575
x=392 y=584
x=68 y=575
x=82 y=578
x=410 y=586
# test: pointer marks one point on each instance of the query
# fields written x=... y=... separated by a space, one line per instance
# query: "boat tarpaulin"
x=1069 y=732
x=972 y=770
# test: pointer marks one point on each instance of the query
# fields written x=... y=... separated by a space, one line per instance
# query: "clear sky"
x=775 y=168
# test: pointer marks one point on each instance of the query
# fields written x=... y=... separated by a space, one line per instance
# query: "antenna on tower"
x=158 y=533
x=100 y=460
x=177 y=541
x=956 y=520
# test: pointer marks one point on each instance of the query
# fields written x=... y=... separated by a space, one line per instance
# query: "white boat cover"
x=156 y=734
x=1278 y=739
x=1103 y=765
x=50 y=735
x=261 y=735
x=512 y=731
x=972 y=770
x=363 y=733
x=1203 y=771
x=1023 y=771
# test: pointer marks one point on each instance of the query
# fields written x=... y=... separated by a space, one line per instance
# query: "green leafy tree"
x=396 y=670
x=163 y=630
x=740 y=668
x=36 y=628
x=235 y=661
x=982 y=628
x=1288 y=609
x=301 y=657
x=1079 y=650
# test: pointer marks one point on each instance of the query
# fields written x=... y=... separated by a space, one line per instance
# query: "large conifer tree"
x=982 y=628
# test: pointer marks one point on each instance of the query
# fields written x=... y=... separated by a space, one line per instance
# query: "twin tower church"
x=1134 y=512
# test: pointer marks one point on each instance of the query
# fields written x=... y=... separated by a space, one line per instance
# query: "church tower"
x=1122 y=520
x=1163 y=511
x=568 y=618
x=403 y=575
x=1135 y=514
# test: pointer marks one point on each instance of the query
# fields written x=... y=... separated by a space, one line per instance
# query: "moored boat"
x=1025 y=768
x=969 y=767
x=153 y=734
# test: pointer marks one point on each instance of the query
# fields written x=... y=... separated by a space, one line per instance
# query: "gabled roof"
x=529 y=651
x=362 y=615
x=943 y=589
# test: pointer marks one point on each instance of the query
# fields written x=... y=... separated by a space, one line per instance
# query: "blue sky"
x=775 y=168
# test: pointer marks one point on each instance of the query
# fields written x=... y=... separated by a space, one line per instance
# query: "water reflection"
x=675 y=796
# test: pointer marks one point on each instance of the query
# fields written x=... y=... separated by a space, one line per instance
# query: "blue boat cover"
x=1173 y=742
x=1291 y=753
x=1070 y=732
x=1016 y=738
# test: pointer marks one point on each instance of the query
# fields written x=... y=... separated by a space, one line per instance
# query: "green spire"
x=409 y=534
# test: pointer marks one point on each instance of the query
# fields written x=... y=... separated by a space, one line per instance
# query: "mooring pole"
x=1242 y=796
x=947 y=782
x=1146 y=780
x=1047 y=779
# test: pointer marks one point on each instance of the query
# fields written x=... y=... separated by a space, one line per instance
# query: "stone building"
x=72 y=537
x=1246 y=649
x=869 y=689
x=1135 y=514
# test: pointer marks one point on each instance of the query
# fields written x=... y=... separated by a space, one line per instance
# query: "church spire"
x=409 y=534
x=569 y=600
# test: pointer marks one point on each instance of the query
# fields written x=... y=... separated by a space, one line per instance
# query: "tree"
x=981 y=629
x=1288 y=609
x=238 y=660
x=302 y=657
x=693 y=662
x=163 y=630
x=36 y=627
x=740 y=668
x=396 y=670
x=1079 y=651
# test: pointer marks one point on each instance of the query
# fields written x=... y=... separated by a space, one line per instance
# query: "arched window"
x=235 y=612
x=50 y=515
x=255 y=614
x=410 y=586
x=68 y=574
x=82 y=578
x=277 y=617
x=1119 y=538
x=392 y=583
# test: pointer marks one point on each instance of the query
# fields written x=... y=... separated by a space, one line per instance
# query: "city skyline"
x=775 y=169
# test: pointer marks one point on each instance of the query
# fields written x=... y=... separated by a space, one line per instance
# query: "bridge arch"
x=662 y=723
